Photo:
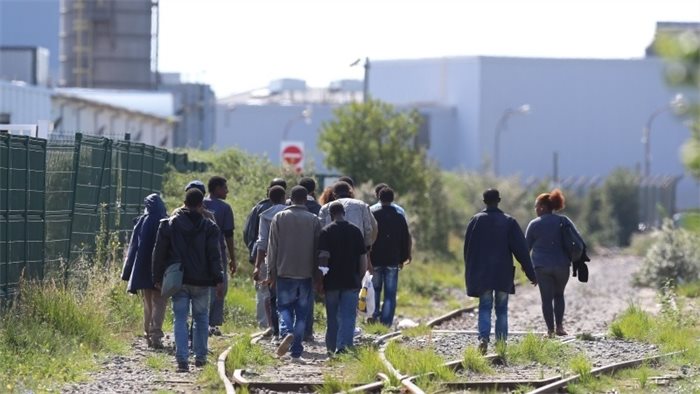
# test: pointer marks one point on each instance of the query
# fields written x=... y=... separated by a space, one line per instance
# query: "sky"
x=239 y=45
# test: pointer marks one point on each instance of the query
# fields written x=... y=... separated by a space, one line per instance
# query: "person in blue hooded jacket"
x=137 y=269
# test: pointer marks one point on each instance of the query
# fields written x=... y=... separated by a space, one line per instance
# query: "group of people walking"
x=301 y=249
x=491 y=241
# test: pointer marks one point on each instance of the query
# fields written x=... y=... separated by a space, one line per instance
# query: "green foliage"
x=633 y=323
x=681 y=51
x=159 y=361
x=417 y=331
x=690 y=289
x=475 y=361
x=674 y=256
x=417 y=361
x=332 y=384
x=375 y=328
x=580 y=365
x=620 y=208
x=362 y=366
x=541 y=350
x=244 y=354
x=373 y=142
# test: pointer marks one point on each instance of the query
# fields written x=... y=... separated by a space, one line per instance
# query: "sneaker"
x=483 y=346
x=300 y=360
x=214 y=330
x=183 y=367
x=284 y=346
x=200 y=363
x=357 y=332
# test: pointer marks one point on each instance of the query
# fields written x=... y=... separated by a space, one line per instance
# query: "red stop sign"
x=292 y=154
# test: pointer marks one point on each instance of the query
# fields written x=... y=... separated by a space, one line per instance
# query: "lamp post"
x=678 y=103
x=500 y=126
x=305 y=115
x=365 y=79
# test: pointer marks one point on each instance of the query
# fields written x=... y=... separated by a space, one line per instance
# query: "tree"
x=681 y=50
x=373 y=142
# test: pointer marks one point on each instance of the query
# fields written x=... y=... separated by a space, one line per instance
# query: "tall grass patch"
x=243 y=354
x=475 y=362
x=541 y=350
x=417 y=361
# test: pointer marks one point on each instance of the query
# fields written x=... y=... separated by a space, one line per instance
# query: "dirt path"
x=591 y=306
x=130 y=374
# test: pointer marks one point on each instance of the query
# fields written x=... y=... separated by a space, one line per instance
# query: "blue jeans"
x=486 y=304
x=293 y=307
x=216 y=307
x=341 y=309
x=387 y=277
x=309 y=331
x=198 y=296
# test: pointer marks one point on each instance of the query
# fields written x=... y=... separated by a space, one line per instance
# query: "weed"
x=332 y=384
x=634 y=323
x=159 y=361
x=417 y=331
x=244 y=354
x=581 y=366
x=362 y=366
x=690 y=289
x=538 y=349
x=417 y=362
x=585 y=336
x=475 y=362
x=376 y=328
x=502 y=350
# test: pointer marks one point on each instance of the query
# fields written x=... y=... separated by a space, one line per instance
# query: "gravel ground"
x=129 y=373
x=590 y=307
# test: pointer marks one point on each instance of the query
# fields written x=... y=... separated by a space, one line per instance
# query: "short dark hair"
x=379 y=187
x=277 y=194
x=336 y=207
x=342 y=189
x=215 y=182
x=278 y=182
x=308 y=183
x=196 y=183
x=299 y=194
x=386 y=194
x=194 y=198
x=491 y=196
x=347 y=180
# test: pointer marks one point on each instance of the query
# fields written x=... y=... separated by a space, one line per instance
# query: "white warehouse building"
x=589 y=112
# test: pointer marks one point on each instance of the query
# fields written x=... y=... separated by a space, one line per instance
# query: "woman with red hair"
x=544 y=239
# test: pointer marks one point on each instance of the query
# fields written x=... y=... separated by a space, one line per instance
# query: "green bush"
x=674 y=256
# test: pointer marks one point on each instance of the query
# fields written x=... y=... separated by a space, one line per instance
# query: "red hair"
x=554 y=200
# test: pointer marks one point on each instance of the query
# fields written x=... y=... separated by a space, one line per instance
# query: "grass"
x=332 y=384
x=159 y=361
x=475 y=362
x=244 y=354
x=634 y=323
x=375 y=328
x=533 y=348
x=417 y=361
x=580 y=365
x=690 y=289
x=362 y=366
x=417 y=331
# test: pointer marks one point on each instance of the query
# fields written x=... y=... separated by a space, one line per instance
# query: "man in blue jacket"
x=491 y=241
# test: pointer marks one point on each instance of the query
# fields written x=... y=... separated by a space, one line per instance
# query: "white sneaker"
x=284 y=346
x=300 y=360
x=358 y=331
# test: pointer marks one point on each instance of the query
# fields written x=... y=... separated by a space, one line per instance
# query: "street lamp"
x=365 y=79
x=502 y=125
x=677 y=104
x=305 y=115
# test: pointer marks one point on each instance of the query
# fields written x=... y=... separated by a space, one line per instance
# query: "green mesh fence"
x=55 y=197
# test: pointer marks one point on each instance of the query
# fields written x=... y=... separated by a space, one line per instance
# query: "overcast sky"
x=238 y=45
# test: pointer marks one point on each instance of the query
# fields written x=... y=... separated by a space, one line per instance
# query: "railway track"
x=453 y=332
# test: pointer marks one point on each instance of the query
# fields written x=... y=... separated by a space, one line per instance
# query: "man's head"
x=378 y=188
x=308 y=183
x=347 y=180
x=492 y=197
x=342 y=189
x=277 y=194
x=194 y=198
x=386 y=196
x=217 y=187
x=278 y=182
x=336 y=210
x=298 y=195
x=196 y=183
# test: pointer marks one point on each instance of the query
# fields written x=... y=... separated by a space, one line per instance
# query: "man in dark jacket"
x=137 y=269
x=491 y=241
x=250 y=237
x=389 y=252
x=193 y=240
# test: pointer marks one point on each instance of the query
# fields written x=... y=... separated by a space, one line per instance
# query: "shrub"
x=674 y=256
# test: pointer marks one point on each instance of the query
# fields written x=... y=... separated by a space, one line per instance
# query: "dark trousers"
x=552 y=282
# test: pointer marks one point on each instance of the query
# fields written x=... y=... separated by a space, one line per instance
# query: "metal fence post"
x=74 y=186
x=7 y=216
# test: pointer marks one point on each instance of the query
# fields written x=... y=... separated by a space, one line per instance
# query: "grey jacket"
x=293 y=247
x=357 y=212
